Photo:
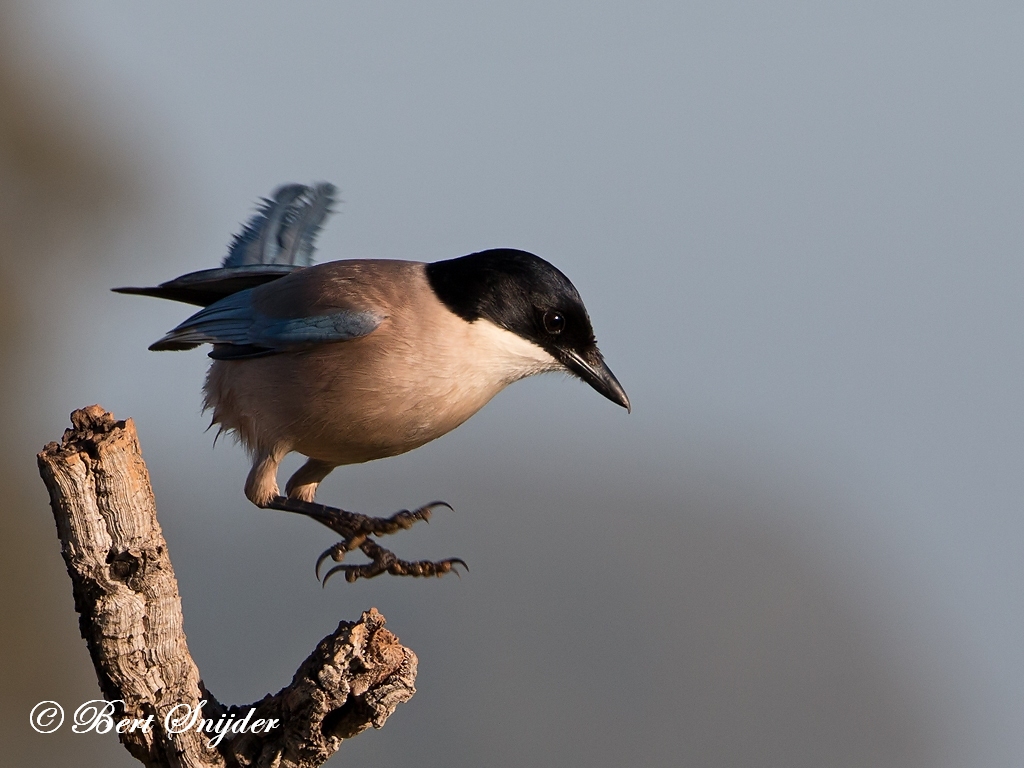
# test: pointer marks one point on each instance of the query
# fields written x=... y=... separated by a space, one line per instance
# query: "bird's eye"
x=554 y=322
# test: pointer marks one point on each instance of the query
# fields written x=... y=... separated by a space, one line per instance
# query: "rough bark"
x=130 y=616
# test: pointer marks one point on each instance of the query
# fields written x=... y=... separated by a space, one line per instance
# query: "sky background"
x=798 y=230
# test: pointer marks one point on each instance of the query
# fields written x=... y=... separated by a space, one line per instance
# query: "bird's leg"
x=301 y=489
x=352 y=525
x=303 y=484
x=355 y=531
x=261 y=484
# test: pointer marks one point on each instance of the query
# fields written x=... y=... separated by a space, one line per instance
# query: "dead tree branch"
x=127 y=599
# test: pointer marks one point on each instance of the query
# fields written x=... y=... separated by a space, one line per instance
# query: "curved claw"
x=329 y=552
x=354 y=572
x=424 y=512
x=458 y=561
x=333 y=571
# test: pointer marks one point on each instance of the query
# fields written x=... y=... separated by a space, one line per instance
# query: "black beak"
x=592 y=369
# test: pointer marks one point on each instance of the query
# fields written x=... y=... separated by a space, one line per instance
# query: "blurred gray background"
x=798 y=230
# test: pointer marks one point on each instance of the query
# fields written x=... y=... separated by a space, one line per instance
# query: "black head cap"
x=524 y=294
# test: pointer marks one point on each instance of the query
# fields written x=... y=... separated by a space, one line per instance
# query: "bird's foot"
x=356 y=530
x=382 y=561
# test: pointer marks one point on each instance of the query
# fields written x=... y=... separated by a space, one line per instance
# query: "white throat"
x=506 y=355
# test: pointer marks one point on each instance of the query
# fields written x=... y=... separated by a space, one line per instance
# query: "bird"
x=354 y=360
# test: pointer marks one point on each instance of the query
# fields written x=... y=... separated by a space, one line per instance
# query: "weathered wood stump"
x=127 y=599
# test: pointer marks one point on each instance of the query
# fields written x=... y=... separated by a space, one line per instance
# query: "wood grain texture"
x=130 y=614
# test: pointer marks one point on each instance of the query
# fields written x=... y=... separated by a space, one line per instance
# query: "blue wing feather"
x=314 y=330
x=234 y=322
